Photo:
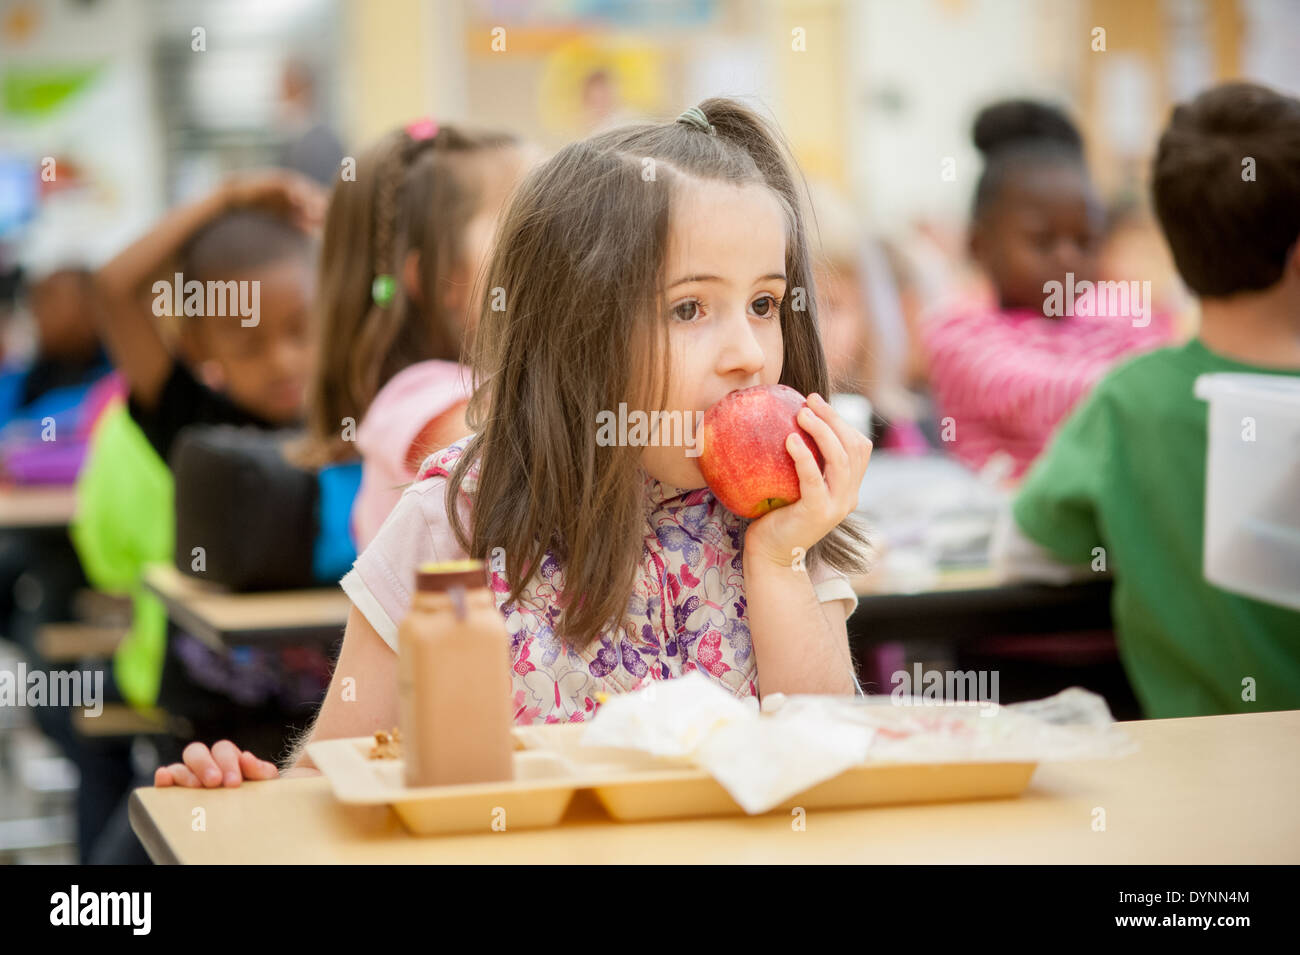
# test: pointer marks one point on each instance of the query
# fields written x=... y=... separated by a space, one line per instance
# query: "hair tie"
x=695 y=117
x=421 y=129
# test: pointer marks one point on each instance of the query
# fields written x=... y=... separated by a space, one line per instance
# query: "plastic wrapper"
x=765 y=758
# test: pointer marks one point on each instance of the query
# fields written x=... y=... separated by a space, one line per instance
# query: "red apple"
x=742 y=449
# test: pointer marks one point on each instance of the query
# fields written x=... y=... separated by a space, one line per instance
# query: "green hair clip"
x=382 y=289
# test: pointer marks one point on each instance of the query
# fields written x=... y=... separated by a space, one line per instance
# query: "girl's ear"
x=455 y=290
x=411 y=277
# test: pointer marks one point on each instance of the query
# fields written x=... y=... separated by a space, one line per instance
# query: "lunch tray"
x=550 y=767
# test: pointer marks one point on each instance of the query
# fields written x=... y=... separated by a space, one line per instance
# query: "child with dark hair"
x=49 y=400
x=244 y=284
x=235 y=270
x=1005 y=372
x=1125 y=477
x=48 y=403
x=251 y=359
x=68 y=352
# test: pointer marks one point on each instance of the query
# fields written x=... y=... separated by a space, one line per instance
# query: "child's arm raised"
x=801 y=644
x=128 y=327
x=362 y=698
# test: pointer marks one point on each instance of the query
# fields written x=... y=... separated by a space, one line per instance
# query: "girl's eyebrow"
x=779 y=276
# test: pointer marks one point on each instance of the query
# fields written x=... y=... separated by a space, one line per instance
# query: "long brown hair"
x=409 y=194
x=578 y=270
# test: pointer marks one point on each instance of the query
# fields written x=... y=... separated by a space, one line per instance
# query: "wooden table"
x=32 y=507
x=880 y=583
x=223 y=619
x=1217 y=789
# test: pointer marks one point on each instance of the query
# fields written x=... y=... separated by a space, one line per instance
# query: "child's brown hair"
x=578 y=270
x=1226 y=186
x=410 y=194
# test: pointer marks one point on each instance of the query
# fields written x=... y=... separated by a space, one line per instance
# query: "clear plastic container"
x=1252 y=485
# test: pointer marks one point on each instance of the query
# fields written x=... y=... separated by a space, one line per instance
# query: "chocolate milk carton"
x=454 y=679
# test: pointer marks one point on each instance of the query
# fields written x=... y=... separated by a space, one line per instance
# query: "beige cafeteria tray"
x=536 y=797
x=631 y=786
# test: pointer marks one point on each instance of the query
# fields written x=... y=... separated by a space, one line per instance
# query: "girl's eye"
x=766 y=306
x=686 y=311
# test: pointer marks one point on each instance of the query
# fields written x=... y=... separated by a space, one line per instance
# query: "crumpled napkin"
x=800 y=741
x=760 y=760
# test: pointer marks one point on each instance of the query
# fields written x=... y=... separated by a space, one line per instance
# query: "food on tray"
x=387 y=745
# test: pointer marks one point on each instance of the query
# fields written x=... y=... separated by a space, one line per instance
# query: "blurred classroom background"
x=144 y=104
x=113 y=111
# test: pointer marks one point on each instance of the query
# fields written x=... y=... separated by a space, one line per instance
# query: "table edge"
x=221 y=640
x=147 y=831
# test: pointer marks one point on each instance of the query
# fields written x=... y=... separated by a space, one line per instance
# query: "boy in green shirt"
x=1122 y=486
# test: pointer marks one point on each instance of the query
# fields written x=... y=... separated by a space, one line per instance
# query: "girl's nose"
x=740 y=350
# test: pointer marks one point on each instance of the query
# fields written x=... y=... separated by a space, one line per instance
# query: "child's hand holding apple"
x=757 y=457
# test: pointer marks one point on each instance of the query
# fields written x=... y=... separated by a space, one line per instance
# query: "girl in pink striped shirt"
x=1007 y=371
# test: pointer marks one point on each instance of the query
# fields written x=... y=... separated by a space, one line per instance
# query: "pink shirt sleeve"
x=409 y=401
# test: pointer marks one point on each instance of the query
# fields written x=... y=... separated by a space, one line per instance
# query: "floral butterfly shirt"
x=687 y=610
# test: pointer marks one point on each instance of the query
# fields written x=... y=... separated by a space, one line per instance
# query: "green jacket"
x=1124 y=478
x=124 y=520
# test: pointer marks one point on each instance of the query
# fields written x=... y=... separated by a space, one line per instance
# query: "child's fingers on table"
x=255 y=768
x=226 y=755
x=200 y=762
x=177 y=774
x=812 y=486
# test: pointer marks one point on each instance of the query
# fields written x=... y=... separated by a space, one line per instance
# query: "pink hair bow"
x=424 y=128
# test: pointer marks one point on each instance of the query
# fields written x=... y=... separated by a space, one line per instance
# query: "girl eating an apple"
x=665 y=266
